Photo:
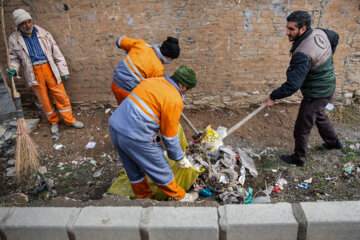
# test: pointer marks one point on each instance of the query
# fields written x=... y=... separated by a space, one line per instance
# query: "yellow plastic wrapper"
x=212 y=139
x=184 y=177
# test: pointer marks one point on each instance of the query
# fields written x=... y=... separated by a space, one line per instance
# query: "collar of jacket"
x=176 y=85
x=300 y=39
x=158 y=53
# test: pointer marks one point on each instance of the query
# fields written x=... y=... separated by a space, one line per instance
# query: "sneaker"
x=54 y=128
x=77 y=124
x=190 y=197
x=339 y=145
x=291 y=159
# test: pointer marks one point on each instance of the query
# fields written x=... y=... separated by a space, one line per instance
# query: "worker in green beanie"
x=186 y=76
x=153 y=107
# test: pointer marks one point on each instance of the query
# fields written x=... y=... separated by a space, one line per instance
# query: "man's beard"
x=295 y=37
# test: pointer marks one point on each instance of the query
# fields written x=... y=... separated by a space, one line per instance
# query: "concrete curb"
x=322 y=220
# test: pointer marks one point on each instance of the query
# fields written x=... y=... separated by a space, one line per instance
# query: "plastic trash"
x=222 y=179
x=230 y=197
x=248 y=199
x=90 y=145
x=308 y=181
x=247 y=162
x=330 y=107
x=98 y=172
x=212 y=140
x=277 y=189
x=222 y=131
x=242 y=176
x=348 y=167
x=56 y=136
x=205 y=192
x=58 y=146
x=230 y=155
x=303 y=185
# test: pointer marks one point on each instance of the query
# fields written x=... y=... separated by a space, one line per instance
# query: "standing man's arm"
x=296 y=74
x=14 y=58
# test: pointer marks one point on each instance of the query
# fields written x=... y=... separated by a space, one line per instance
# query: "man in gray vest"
x=312 y=71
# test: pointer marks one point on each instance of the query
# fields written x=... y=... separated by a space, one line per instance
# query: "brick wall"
x=237 y=48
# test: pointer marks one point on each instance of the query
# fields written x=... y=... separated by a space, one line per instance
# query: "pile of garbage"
x=225 y=169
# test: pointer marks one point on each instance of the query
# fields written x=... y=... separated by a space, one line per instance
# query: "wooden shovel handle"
x=239 y=124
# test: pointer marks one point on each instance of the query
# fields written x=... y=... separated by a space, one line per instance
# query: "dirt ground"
x=81 y=176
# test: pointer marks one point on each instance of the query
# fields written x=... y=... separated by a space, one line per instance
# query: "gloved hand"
x=65 y=77
x=10 y=73
x=184 y=163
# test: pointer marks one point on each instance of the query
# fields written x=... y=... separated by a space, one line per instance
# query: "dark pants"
x=312 y=110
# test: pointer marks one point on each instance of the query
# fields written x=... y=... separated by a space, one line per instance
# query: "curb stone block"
x=108 y=223
x=332 y=220
x=4 y=212
x=181 y=223
x=38 y=223
x=258 y=221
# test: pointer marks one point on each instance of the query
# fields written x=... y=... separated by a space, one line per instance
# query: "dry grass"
x=349 y=115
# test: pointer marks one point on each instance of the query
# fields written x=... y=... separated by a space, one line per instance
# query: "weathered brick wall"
x=238 y=48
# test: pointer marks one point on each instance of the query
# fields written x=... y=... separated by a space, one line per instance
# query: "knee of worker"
x=159 y=171
x=62 y=100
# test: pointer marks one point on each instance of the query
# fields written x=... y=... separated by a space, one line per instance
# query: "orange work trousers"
x=173 y=190
x=48 y=83
x=119 y=94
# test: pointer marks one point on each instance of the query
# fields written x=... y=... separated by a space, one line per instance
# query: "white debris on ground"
x=226 y=169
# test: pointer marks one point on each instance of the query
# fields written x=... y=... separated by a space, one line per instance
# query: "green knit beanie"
x=186 y=76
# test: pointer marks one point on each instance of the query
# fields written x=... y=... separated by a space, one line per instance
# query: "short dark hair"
x=301 y=18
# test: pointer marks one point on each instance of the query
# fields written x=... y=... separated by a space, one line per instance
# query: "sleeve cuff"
x=118 y=42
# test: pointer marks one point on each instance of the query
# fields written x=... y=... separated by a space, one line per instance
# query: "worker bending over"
x=142 y=61
x=155 y=104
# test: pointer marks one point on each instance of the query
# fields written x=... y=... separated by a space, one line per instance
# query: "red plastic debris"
x=277 y=189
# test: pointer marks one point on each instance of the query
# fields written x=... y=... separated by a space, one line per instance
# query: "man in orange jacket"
x=142 y=61
x=154 y=105
x=44 y=67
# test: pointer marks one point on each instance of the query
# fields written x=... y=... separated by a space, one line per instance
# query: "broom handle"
x=239 y=124
x=15 y=92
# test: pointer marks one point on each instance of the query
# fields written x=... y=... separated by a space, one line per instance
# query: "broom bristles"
x=27 y=158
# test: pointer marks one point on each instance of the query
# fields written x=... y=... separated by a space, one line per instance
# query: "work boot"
x=291 y=159
x=55 y=128
x=77 y=124
x=190 y=197
x=339 y=145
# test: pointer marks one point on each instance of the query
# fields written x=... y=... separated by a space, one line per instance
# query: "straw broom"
x=27 y=158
